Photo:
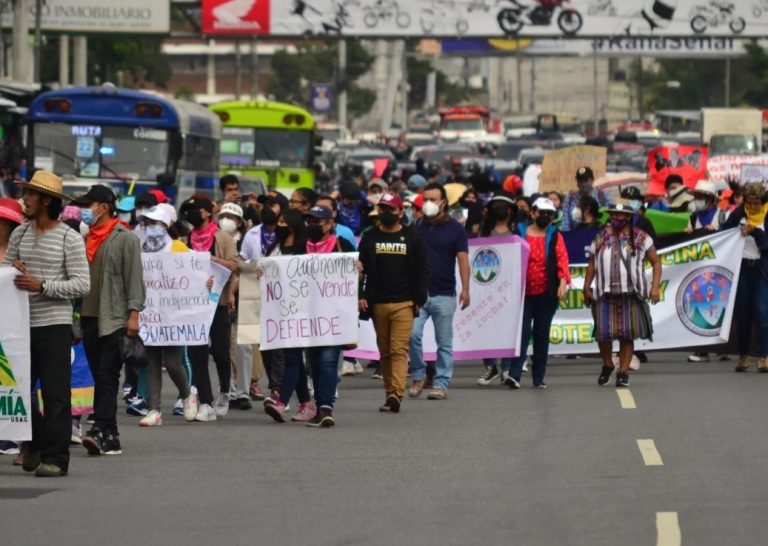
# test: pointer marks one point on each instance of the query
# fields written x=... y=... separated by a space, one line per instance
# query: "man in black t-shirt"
x=394 y=285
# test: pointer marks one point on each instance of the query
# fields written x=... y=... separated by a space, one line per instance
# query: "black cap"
x=199 y=202
x=673 y=179
x=146 y=200
x=349 y=190
x=98 y=193
x=272 y=197
x=631 y=192
x=320 y=212
x=585 y=173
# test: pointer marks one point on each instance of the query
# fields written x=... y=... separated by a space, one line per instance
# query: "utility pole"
x=238 y=70
x=38 y=40
x=594 y=93
x=404 y=68
x=342 y=93
x=727 y=82
x=20 y=49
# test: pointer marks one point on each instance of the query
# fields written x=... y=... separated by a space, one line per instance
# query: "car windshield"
x=101 y=151
x=463 y=125
x=266 y=147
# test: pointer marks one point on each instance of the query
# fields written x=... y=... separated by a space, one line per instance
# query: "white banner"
x=179 y=307
x=490 y=327
x=723 y=167
x=135 y=17
x=309 y=300
x=698 y=291
x=485 y=18
x=15 y=387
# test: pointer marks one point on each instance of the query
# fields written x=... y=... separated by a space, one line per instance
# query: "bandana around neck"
x=201 y=240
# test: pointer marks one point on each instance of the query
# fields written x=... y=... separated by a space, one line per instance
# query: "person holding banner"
x=546 y=283
x=394 y=284
x=616 y=262
x=51 y=260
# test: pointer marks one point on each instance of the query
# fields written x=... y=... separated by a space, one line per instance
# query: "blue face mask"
x=155 y=231
x=87 y=217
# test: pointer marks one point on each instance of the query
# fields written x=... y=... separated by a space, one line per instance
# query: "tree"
x=140 y=58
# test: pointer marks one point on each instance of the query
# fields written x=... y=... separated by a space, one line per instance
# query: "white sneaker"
x=153 y=419
x=205 y=413
x=359 y=368
x=347 y=368
x=222 y=405
x=509 y=381
x=190 y=407
x=77 y=435
x=525 y=364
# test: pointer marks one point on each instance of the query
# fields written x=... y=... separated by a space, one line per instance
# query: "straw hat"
x=47 y=183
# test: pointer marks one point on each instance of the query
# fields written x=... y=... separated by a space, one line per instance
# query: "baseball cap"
x=416 y=181
x=98 y=193
x=705 y=187
x=584 y=173
x=378 y=182
x=156 y=214
x=502 y=197
x=512 y=184
x=146 y=200
x=631 y=192
x=160 y=196
x=199 y=201
x=272 y=197
x=391 y=200
x=320 y=212
x=167 y=207
x=544 y=203
x=127 y=204
x=231 y=208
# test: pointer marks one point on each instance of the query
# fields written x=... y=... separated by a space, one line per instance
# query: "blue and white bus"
x=130 y=140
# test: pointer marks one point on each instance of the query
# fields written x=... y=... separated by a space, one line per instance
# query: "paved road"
x=488 y=466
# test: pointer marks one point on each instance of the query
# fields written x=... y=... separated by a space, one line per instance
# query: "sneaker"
x=94 y=442
x=77 y=435
x=91 y=419
x=762 y=364
x=437 y=394
x=622 y=379
x=306 y=413
x=540 y=386
x=358 y=368
x=698 y=357
x=127 y=388
x=112 y=444
x=178 y=407
x=153 y=419
x=274 y=396
x=138 y=407
x=743 y=364
x=392 y=405
x=525 y=364
x=9 y=448
x=189 y=407
x=276 y=411
x=222 y=405
x=417 y=387
x=347 y=369
x=491 y=373
x=377 y=373
x=256 y=393
x=605 y=375
x=323 y=418
x=509 y=381
x=49 y=471
x=205 y=414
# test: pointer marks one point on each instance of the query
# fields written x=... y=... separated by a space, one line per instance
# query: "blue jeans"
x=294 y=377
x=538 y=313
x=324 y=363
x=751 y=309
x=441 y=309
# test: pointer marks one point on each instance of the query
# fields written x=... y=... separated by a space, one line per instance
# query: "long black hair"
x=489 y=218
x=294 y=219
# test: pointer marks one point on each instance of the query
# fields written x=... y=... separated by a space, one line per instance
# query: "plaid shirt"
x=572 y=201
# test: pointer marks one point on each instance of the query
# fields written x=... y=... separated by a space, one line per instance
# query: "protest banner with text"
x=15 y=377
x=308 y=301
x=179 y=307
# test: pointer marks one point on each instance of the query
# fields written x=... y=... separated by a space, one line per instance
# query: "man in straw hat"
x=110 y=311
x=50 y=257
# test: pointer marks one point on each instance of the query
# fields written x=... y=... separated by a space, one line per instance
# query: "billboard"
x=87 y=16
x=486 y=18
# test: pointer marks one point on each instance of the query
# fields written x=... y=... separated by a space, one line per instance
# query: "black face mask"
x=500 y=211
x=315 y=233
x=388 y=219
x=268 y=216
x=543 y=221
x=522 y=215
x=282 y=233
x=195 y=217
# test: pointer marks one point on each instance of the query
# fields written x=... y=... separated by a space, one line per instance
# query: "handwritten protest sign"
x=179 y=308
x=754 y=173
x=308 y=301
x=558 y=171
x=728 y=167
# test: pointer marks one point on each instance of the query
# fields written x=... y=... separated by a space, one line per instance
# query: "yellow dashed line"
x=626 y=399
x=668 y=529
x=649 y=452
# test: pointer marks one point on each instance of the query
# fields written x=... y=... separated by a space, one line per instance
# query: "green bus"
x=270 y=140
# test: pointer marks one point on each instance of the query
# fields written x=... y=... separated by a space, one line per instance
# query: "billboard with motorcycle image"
x=487 y=18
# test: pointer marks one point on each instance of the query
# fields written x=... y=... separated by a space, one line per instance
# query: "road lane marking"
x=668 y=529
x=626 y=399
x=649 y=452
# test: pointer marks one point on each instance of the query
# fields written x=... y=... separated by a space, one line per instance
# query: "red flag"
x=690 y=162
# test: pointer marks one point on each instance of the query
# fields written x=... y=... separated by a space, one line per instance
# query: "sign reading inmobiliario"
x=136 y=16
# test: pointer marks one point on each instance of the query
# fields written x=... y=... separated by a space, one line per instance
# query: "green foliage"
x=140 y=58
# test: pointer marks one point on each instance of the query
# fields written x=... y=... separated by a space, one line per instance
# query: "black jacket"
x=418 y=267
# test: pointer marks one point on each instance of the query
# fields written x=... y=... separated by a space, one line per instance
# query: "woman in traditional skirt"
x=616 y=259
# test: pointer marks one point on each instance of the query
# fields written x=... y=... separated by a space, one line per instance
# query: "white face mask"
x=228 y=225
x=430 y=209
x=700 y=204
x=576 y=215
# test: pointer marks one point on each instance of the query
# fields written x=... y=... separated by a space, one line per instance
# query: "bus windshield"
x=266 y=147
x=101 y=151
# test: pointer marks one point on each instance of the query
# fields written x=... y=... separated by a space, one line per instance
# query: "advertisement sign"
x=488 y=18
x=690 y=162
x=309 y=300
x=722 y=168
x=491 y=326
x=558 y=171
x=15 y=378
x=179 y=307
x=322 y=97
x=135 y=17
